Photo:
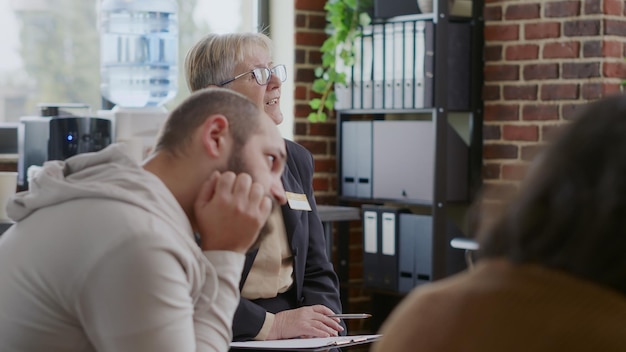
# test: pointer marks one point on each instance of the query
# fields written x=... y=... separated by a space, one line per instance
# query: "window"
x=51 y=48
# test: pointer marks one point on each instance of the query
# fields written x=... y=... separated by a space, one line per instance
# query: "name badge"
x=298 y=201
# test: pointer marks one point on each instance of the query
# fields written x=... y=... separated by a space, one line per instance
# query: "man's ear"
x=214 y=133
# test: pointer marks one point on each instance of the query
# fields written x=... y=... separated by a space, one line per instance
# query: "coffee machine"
x=57 y=135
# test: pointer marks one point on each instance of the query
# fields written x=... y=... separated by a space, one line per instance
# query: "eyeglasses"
x=262 y=75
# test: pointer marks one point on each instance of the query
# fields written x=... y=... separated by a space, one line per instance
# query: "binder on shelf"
x=356 y=88
x=380 y=227
x=356 y=161
x=413 y=145
x=409 y=77
x=421 y=226
x=395 y=67
x=348 y=158
x=364 y=159
x=389 y=65
x=406 y=255
x=371 y=274
x=399 y=65
x=367 y=68
x=378 y=64
x=388 y=256
x=416 y=260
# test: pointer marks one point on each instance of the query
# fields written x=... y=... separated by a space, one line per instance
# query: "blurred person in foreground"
x=103 y=256
x=288 y=286
x=550 y=270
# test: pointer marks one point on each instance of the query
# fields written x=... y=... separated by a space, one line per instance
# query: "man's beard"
x=237 y=165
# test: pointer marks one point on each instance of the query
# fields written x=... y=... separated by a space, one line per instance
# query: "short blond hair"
x=213 y=59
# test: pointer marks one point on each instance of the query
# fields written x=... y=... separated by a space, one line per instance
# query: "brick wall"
x=543 y=59
x=319 y=138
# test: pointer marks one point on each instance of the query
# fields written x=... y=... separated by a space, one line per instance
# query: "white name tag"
x=298 y=201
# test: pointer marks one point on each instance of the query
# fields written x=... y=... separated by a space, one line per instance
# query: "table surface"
x=338 y=213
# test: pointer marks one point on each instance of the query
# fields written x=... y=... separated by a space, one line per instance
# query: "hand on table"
x=310 y=321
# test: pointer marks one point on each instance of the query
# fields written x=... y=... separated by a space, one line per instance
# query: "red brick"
x=501 y=32
x=514 y=171
x=542 y=30
x=491 y=92
x=317 y=21
x=580 y=70
x=561 y=50
x=540 y=112
x=500 y=151
x=523 y=92
x=612 y=48
x=562 y=9
x=494 y=73
x=300 y=128
x=302 y=110
x=323 y=129
x=314 y=57
x=541 y=71
x=592 y=7
x=311 y=38
x=304 y=75
x=522 y=12
x=613 y=27
x=325 y=165
x=315 y=147
x=520 y=133
x=313 y=5
x=492 y=13
x=592 y=48
x=522 y=52
x=300 y=56
x=614 y=69
x=491 y=132
x=501 y=112
x=301 y=21
x=300 y=92
x=559 y=91
x=581 y=28
x=320 y=184
x=614 y=7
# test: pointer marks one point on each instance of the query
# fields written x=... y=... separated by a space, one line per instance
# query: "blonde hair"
x=213 y=59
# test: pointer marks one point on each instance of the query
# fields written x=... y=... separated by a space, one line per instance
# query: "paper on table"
x=313 y=344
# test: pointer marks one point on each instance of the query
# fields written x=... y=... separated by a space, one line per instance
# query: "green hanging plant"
x=345 y=19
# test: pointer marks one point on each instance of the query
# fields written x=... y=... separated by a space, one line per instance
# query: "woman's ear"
x=214 y=133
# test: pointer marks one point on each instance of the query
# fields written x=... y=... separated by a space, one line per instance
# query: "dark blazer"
x=315 y=281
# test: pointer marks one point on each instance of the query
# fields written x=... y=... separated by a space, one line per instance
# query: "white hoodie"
x=102 y=257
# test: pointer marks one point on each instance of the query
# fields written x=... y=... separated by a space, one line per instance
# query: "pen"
x=350 y=316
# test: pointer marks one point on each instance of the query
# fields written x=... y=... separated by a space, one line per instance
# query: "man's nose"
x=278 y=192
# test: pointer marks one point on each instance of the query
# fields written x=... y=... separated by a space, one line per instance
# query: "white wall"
x=282 y=24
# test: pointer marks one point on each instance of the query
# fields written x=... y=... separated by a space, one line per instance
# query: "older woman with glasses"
x=288 y=285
